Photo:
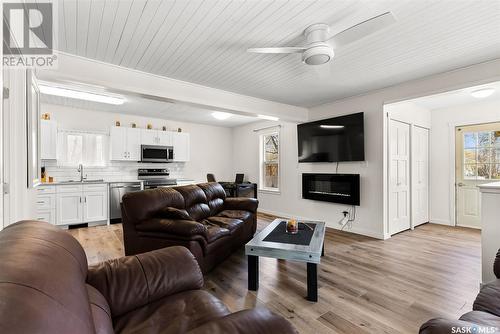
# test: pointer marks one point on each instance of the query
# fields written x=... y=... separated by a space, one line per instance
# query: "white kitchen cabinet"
x=165 y=138
x=180 y=142
x=95 y=206
x=68 y=204
x=125 y=143
x=69 y=208
x=48 y=136
x=156 y=137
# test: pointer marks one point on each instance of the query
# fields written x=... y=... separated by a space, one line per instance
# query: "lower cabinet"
x=72 y=204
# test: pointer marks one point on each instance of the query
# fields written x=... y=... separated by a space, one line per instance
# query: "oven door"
x=154 y=153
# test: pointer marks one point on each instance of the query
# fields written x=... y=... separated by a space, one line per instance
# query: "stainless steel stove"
x=155 y=177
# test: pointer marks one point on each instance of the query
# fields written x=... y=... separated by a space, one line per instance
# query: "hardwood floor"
x=365 y=285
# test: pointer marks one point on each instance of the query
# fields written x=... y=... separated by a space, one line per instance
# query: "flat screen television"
x=332 y=140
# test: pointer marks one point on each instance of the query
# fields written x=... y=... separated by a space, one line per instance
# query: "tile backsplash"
x=114 y=171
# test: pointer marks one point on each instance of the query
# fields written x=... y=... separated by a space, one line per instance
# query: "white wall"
x=211 y=147
x=443 y=123
x=372 y=214
x=409 y=113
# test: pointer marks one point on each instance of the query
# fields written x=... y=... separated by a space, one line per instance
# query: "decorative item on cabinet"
x=134 y=125
x=149 y=126
x=179 y=130
x=164 y=128
x=117 y=123
x=43 y=175
x=46 y=116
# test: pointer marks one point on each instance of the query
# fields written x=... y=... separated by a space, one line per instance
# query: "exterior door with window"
x=477 y=162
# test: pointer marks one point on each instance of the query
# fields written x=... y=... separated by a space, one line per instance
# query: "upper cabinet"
x=48 y=136
x=125 y=143
x=155 y=137
x=180 y=142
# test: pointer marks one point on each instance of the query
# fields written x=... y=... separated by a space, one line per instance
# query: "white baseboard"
x=440 y=222
x=355 y=229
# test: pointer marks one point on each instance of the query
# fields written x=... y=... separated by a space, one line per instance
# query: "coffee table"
x=273 y=241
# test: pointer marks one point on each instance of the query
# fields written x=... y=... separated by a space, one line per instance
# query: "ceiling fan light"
x=318 y=55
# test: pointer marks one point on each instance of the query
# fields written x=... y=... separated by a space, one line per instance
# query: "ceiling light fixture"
x=76 y=94
x=269 y=118
x=221 y=115
x=482 y=93
x=331 y=126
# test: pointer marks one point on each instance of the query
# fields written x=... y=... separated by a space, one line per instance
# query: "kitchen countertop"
x=180 y=181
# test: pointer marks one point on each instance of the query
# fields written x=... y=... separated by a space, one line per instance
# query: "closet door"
x=399 y=180
x=420 y=176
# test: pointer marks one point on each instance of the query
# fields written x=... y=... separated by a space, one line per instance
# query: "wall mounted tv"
x=332 y=140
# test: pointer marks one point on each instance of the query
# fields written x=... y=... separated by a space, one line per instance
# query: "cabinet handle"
x=85 y=199
x=80 y=199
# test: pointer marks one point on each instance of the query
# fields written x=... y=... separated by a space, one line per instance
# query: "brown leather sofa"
x=46 y=287
x=198 y=217
x=485 y=314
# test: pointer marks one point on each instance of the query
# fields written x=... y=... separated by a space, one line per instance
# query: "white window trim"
x=262 y=189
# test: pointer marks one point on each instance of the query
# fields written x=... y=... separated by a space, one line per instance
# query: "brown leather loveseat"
x=484 y=317
x=198 y=217
x=46 y=287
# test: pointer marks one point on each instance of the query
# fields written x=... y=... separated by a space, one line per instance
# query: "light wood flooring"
x=365 y=285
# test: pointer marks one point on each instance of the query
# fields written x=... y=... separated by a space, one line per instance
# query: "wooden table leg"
x=312 y=282
x=253 y=272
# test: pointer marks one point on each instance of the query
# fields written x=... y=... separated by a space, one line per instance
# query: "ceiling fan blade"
x=290 y=49
x=362 y=30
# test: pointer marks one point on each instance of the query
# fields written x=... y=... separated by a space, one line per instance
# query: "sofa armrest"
x=185 y=228
x=241 y=203
x=496 y=265
x=488 y=299
x=254 y=321
x=444 y=326
x=134 y=281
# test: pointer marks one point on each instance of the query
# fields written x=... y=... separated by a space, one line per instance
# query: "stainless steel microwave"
x=156 y=153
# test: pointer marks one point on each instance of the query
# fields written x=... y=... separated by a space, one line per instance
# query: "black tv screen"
x=332 y=140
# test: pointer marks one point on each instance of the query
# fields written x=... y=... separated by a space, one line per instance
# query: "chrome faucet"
x=80 y=169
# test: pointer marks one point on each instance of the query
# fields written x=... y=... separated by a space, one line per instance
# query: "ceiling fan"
x=320 y=44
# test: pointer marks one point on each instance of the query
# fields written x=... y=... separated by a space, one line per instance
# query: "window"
x=481 y=155
x=270 y=156
x=76 y=148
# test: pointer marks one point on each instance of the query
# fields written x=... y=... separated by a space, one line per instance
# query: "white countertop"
x=180 y=181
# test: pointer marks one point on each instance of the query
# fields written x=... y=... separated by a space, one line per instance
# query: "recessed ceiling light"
x=269 y=118
x=221 y=115
x=482 y=93
x=331 y=126
x=76 y=94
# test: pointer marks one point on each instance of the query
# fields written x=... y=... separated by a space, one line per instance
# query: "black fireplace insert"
x=336 y=188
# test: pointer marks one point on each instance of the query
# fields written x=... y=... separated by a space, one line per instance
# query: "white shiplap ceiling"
x=205 y=42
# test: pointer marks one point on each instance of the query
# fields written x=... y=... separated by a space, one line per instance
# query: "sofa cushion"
x=237 y=214
x=177 y=313
x=215 y=232
x=140 y=205
x=481 y=318
x=173 y=213
x=230 y=223
x=216 y=195
x=195 y=201
x=173 y=226
x=488 y=297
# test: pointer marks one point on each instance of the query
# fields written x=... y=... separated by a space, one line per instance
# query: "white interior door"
x=420 y=176
x=399 y=181
x=477 y=161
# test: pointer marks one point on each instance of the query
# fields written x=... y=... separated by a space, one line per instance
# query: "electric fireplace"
x=336 y=188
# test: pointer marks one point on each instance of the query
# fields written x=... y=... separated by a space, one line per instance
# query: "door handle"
x=460 y=184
